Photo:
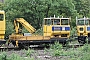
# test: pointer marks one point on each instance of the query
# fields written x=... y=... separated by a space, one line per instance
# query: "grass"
x=55 y=50
x=29 y=52
x=81 y=53
x=14 y=56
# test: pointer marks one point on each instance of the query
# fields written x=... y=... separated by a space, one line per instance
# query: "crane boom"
x=23 y=23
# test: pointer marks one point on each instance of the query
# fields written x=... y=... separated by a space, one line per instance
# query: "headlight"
x=88 y=28
x=81 y=29
x=67 y=28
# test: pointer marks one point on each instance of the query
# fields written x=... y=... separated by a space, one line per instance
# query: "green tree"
x=82 y=7
x=1 y=6
x=35 y=10
x=28 y=9
x=9 y=28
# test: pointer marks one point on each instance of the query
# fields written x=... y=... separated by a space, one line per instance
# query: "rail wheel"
x=82 y=39
x=23 y=46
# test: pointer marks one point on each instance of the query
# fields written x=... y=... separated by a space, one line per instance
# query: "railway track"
x=75 y=45
x=38 y=47
x=35 y=47
x=9 y=48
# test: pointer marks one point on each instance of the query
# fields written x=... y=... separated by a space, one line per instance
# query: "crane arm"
x=23 y=23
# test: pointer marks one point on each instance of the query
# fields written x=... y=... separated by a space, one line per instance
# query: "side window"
x=86 y=22
x=89 y=22
x=1 y=17
x=55 y=22
x=48 y=22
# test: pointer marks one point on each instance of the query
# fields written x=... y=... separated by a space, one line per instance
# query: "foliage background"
x=35 y=10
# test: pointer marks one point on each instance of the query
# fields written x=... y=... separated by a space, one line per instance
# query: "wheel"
x=82 y=39
x=23 y=46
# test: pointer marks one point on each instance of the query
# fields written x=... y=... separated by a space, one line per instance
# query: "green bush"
x=39 y=32
x=56 y=45
x=56 y=49
x=29 y=52
x=80 y=53
x=3 y=56
x=13 y=56
x=73 y=31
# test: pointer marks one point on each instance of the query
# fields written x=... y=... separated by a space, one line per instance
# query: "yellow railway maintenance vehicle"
x=83 y=29
x=57 y=28
x=54 y=29
x=2 y=27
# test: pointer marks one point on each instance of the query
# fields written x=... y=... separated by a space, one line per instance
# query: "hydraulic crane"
x=24 y=23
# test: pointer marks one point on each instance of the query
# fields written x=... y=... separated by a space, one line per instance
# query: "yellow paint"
x=16 y=43
x=47 y=29
x=48 y=33
x=24 y=23
x=2 y=25
x=84 y=25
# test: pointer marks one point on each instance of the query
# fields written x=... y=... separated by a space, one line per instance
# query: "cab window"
x=80 y=22
x=86 y=22
x=48 y=22
x=1 y=17
x=56 y=21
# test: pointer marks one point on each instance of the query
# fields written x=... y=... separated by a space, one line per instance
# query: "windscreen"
x=80 y=22
x=56 y=21
x=52 y=21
